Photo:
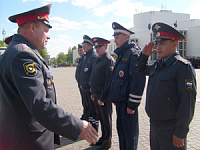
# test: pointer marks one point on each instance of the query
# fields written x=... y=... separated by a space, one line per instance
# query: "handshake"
x=89 y=133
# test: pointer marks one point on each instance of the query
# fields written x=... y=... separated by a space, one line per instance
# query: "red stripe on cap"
x=167 y=35
x=33 y=17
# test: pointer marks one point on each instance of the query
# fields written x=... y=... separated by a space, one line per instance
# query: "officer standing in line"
x=29 y=116
x=126 y=88
x=171 y=91
x=78 y=72
x=100 y=80
x=86 y=69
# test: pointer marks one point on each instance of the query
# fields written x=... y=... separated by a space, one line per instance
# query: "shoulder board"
x=134 y=51
x=185 y=61
x=110 y=57
x=26 y=48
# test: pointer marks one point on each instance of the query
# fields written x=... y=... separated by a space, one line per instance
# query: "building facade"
x=143 y=22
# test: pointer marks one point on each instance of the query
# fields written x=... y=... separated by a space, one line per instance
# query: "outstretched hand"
x=148 y=49
x=89 y=133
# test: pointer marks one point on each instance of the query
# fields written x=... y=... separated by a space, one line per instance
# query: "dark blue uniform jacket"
x=127 y=84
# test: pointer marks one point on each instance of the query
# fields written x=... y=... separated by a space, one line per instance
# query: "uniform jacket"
x=127 y=84
x=28 y=113
x=86 y=69
x=78 y=69
x=101 y=75
x=171 y=91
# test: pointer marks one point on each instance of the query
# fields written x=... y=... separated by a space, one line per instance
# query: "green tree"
x=70 y=56
x=2 y=44
x=61 y=57
x=43 y=53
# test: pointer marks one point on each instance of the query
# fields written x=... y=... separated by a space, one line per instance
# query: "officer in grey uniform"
x=100 y=80
x=171 y=91
x=29 y=116
x=78 y=73
x=86 y=70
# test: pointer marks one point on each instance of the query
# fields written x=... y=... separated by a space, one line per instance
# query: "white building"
x=143 y=33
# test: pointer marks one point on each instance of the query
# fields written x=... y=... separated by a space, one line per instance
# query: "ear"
x=175 y=43
x=32 y=27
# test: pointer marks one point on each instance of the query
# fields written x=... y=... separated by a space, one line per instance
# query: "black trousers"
x=161 y=136
x=104 y=114
x=89 y=110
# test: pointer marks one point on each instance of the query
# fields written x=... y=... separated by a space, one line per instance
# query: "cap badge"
x=96 y=44
x=43 y=18
x=157 y=34
x=121 y=73
x=113 y=26
x=157 y=27
x=94 y=40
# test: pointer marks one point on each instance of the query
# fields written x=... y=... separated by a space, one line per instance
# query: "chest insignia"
x=134 y=51
x=121 y=73
x=189 y=84
x=86 y=69
x=30 y=69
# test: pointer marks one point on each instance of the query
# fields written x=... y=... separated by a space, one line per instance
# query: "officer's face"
x=120 y=39
x=101 y=50
x=166 y=48
x=86 y=47
x=81 y=52
x=41 y=35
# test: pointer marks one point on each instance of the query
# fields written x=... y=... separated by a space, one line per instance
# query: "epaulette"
x=26 y=48
x=185 y=61
x=135 y=52
x=109 y=56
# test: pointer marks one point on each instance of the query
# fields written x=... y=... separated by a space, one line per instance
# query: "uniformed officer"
x=29 y=116
x=126 y=88
x=171 y=91
x=81 y=53
x=86 y=69
x=100 y=80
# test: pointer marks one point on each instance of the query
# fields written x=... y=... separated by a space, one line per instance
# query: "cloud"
x=61 y=24
x=126 y=9
x=46 y=1
x=193 y=10
x=86 y=3
x=90 y=25
x=58 y=44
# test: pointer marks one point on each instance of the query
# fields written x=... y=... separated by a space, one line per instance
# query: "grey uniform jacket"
x=171 y=92
x=29 y=116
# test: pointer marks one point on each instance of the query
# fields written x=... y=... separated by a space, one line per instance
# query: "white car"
x=2 y=50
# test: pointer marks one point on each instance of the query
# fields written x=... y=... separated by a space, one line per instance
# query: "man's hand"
x=89 y=133
x=100 y=103
x=92 y=97
x=178 y=142
x=148 y=49
x=130 y=111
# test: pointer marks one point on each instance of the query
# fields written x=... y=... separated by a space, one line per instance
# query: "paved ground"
x=69 y=99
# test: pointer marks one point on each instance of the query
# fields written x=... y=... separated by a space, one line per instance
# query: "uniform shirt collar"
x=122 y=49
x=170 y=59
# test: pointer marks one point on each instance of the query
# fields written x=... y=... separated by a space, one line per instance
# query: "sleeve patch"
x=30 y=69
x=189 y=84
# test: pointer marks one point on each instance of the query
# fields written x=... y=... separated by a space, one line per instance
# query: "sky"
x=71 y=19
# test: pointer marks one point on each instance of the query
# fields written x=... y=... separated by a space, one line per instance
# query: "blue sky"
x=71 y=19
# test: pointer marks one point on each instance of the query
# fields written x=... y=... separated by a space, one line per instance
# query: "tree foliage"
x=43 y=53
x=61 y=58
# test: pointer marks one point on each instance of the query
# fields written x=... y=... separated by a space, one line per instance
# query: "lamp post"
x=4 y=33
